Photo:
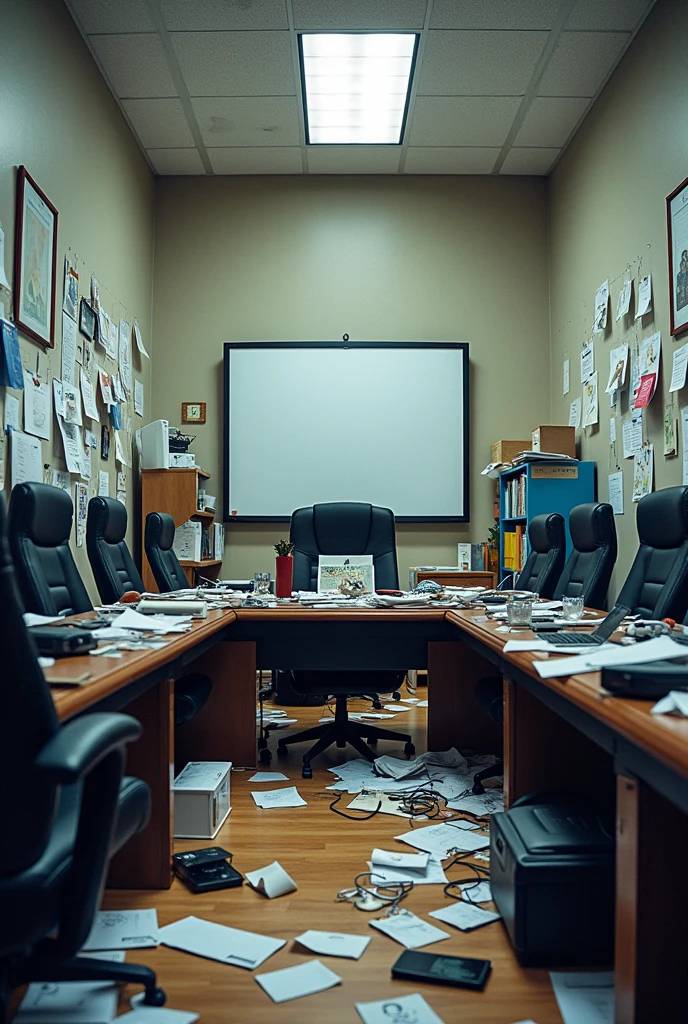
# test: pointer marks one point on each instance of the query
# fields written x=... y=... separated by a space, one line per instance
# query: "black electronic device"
x=62 y=641
x=462 y=971
x=206 y=869
x=594 y=639
x=545 y=625
x=645 y=682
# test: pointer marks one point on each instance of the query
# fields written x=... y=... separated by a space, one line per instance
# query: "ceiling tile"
x=581 y=62
x=450 y=160
x=358 y=15
x=619 y=15
x=479 y=63
x=159 y=123
x=550 y=121
x=236 y=63
x=505 y=14
x=353 y=159
x=111 y=16
x=248 y=121
x=176 y=161
x=256 y=161
x=529 y=161
x=462 y=121
x=223 y=15
x=135 y=64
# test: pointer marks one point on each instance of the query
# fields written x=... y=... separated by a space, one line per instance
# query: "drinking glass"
x=573 y=608
x=261 y=583
x=519 y=610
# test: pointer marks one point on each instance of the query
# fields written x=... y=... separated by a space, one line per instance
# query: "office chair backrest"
x=343 y=528
x=589 y=566
x=657 y=583
x=39 y=525
x=547 y=540
x=27 y=721
x=158 y=540
x=112 y=565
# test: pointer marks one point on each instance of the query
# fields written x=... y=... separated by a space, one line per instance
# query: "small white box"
x=182 y=460
x=201 y=799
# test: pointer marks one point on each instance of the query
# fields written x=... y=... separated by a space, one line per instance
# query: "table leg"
x=145 y=861
x=651 y=907
x=543 y=751
x=455 y=719
x=225 y=729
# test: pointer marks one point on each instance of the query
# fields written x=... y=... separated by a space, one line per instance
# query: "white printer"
x=155 y=445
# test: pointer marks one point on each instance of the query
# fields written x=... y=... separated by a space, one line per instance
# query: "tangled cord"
x=480 y=874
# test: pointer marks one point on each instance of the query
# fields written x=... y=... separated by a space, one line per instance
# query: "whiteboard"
x=381 y=422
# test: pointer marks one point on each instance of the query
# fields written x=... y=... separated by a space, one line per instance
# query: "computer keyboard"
x=571 y=639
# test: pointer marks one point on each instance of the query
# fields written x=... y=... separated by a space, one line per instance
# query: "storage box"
x=201 y=799
x=182 y=460
x=561 y=440
x=187 y=541
x=552 y=879
x=504 y=451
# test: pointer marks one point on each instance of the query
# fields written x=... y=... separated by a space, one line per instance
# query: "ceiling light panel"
x=356 y=86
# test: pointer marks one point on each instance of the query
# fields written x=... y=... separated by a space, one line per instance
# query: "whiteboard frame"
x=462 y=346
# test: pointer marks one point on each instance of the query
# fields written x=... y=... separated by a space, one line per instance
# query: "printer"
x=155 y=445
x=552 y=878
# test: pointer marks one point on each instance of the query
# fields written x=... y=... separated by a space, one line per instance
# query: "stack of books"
x=530 y=456
x=515 y=548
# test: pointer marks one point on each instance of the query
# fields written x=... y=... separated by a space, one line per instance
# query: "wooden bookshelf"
x=175 y=491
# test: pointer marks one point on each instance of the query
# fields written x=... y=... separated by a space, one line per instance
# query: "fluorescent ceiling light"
x=356 y=87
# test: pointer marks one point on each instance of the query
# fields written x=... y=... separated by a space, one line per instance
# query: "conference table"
x=560 y=733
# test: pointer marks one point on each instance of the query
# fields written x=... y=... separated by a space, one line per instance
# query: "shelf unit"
x=175 y=491
x=538 y=488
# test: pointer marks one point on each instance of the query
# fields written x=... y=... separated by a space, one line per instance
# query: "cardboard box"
x=559 y=439
x=504 y=451
x=201 y=799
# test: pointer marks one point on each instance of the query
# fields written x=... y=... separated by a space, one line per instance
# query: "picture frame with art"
x=87 y=320
x=677 y=241
x=35 y=261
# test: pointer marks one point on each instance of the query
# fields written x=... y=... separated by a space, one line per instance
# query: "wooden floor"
x=322 y=852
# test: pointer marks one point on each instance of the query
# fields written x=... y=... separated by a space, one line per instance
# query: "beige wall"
x=607 y=212
x=379 y=258
x=60 y=121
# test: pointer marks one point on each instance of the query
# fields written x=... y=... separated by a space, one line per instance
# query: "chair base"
x=341 y=732
x=490 y=772
x=43 y=967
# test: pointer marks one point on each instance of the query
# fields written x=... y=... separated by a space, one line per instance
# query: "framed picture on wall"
x=677 y=232
x=35 y=261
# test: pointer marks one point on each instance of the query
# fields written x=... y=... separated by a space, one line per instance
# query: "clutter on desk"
x=444 y=840
x=123 y=929
x=269 y=777
x=584 y=997
x=271 y=881
x=206 y=870
x=196 y=609
x=406 y=1008
x=232 y=946
x=294 y=982
x=662 y=648
x=431 y=873
x=158 y=1015
x=464 y=916
x=675 y=703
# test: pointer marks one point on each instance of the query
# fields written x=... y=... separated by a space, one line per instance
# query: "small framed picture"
x=87 y=320
x=193 y=412
x=105 y=442
x=35 y=261
x=677 y=238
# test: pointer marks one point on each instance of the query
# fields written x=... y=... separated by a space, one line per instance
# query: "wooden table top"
x=662 y=736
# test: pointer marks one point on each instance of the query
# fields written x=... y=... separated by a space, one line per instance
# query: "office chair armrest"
x=81 y=744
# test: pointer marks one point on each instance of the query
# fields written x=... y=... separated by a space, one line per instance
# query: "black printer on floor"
x=552 y=877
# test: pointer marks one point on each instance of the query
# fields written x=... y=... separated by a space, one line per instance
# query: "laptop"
x=602 y=633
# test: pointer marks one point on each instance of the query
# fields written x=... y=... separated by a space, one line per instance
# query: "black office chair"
x=547 y=542
x=657 y=583
x=115 y=574
x=39 y=526
x=589 y=567
x=344 y=528
x=66 y=809
x=158 y=539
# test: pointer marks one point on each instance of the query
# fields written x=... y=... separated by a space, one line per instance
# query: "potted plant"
x=284 y=568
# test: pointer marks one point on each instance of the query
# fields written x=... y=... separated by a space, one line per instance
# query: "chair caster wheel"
x=306 y=772
x=281 y=749
x=409 y=749
x=396 y=695
x=155 y=997
x=265 y=757
x=478 y=788
x=262 y=743
x=377 y=705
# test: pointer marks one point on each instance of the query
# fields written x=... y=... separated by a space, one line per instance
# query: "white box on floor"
x=201 y=799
